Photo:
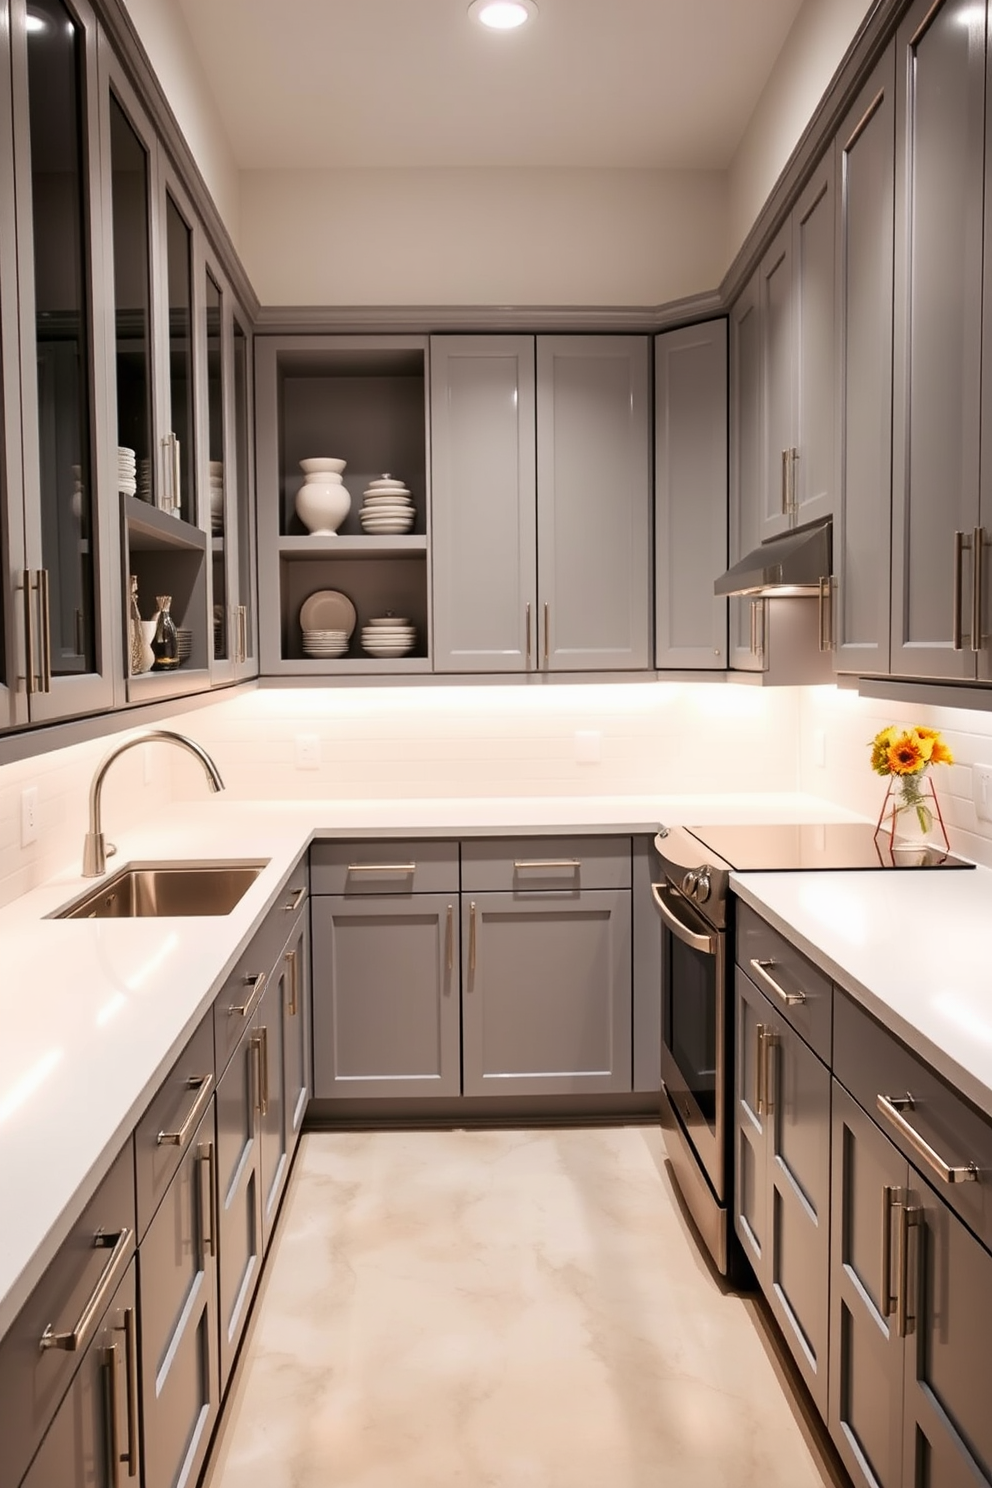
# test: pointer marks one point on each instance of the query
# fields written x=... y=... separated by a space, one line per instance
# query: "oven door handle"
x=679 y=929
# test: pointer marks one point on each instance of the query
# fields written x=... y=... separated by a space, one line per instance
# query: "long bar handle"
x=786 y=464
x=890 y=1201
x=707 y=943
x=825 y=614
x=472 y=938
x=120 y=1245
x=892 y=1107
x=292 y=966
x=177 y=475
x=977 y=586
x=962 y=540
x=256 y=1057
x=246 y=1008
x=547 y=633
x=30 y=675
x=203 y=1085
x=759 y=1070
x=298 y=897
x=44 y=605
x=404 y=868
x=263 y=1035
x=530 y=640
x=242 y=633
x=208 y=1209
x=909 y=1219
x=570 y=865
x=793 y=483
x=449 y=938
x=771 y=1043
x=114 y=1454
x=761 y=969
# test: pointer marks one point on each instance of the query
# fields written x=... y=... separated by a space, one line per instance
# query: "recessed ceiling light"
x=502 y=15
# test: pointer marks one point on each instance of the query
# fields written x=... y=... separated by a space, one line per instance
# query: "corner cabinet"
x=541 y=503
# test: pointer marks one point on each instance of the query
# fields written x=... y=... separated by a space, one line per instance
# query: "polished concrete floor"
x=501 y=1309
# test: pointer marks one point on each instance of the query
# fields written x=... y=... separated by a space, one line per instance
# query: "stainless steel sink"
x=158 y=890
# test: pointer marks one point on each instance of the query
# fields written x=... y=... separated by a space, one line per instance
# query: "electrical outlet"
x=308 y=752
x=588 y=746
x=981 y=790
x=29 y=815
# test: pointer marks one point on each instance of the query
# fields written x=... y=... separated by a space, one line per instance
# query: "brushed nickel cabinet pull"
x=114 y=1455
x=246 y=1008
x=242 y=613
x=30 y=675
x=793 y=483
x=771 y=1042
x=208 y=1212
x=661 y=893
x=263 y=1033
x=405 y=868
x=177 y=474
x=529 y=636
x=471 y=938
x=256 y=1071
x=567 y=865
x=758 y=627
x=909 y=1220
x=762 y=969
x=977 y=585
x=203 y=1085
x=892 y=1107
x=754 y=627
x=120 y=1245
x=44 y=605
x=759 y=1070
x=962 y=540
x=825 y=614
x=450 y=938
x=887 y=1302
x=131 y=1457
x=292 y=963
x=786 y=463
x=547 y=634
x=298 y=897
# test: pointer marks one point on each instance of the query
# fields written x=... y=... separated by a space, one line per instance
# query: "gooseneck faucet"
x=95 y=852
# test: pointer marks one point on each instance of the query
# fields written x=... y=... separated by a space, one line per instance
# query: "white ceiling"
x=415 y=83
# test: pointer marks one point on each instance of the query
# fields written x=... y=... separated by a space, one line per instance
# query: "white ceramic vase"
x=322 y=502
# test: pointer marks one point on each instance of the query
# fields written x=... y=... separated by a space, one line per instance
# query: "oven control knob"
x=703 y=885
x=689 y=883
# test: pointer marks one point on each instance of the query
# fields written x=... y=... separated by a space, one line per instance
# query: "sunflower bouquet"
x=907 y=754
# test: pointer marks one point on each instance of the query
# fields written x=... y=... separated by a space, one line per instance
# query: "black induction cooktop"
x=787 y=847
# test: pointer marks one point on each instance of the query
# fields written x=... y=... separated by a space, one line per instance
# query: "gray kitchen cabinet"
x=94 y=1438
x=546 y=967
x=777 y=317
x=483 y=497
x=782 y=1143
x=565 y=582
x=690 y=495
x=940 y=170
x=386 y=1018
x=745 y=465
x=177 y=1270
x=865 y=248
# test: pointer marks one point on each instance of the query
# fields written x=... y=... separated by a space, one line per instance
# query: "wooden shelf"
x=150 y=530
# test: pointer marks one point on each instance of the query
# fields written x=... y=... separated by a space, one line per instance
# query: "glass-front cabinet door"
x=243 y=481
x=13 y=696
x=178 y=442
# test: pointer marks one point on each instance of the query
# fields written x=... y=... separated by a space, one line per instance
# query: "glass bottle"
x=165 y=641
x=135 y=636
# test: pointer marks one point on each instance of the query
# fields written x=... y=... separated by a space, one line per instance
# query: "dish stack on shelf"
x=327 y=620
x=144 y=480
x=218 y=631
x=389 y=635
x=127 y=470
x=185 y=645
x=387 y=508
x=217 y=497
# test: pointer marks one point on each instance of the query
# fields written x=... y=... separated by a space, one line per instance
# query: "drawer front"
x=164 y=1133
x=798 y=990
x=870 y=1062
x=384 y=868
x=546 y=864
x=34 y=1379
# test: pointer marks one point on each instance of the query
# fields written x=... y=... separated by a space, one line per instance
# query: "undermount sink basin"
x=160 y=890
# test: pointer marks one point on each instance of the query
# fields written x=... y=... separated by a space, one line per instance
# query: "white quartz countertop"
x=912 y=947
x=95 y=1012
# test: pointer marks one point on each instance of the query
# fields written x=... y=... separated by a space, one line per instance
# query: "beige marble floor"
x=500 y=1309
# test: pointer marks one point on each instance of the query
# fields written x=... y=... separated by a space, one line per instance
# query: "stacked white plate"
x=127 y=471
x=217 y=497
x=389 y=635
x=387 y=508
x=325 y=643
x=185 y=644
x=145 y=480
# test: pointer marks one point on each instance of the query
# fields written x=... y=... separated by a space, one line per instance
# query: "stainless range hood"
x=797 y=563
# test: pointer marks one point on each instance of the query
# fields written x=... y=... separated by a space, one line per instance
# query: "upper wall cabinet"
x=690 y=495
x=941 y=515
x=60 y=568
x=865 y=188
x=13 y=696
x=543 y=448
x=745 y=464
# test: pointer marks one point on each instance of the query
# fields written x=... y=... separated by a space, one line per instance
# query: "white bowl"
x=388 y=620
x=322 y=463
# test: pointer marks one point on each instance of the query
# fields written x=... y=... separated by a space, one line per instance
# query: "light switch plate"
x=981 y=790
x=29 y=815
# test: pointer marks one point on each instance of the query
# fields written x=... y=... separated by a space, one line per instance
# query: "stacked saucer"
x=145 y=480
x=389 y=635
x=185 y=644
x=127 y=470
x=325 y=643
x=386 y=508
x=217 y=497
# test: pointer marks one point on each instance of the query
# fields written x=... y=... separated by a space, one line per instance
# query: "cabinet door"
x=94 y=1437
x=745 y=462
x=690 y=495
x=814 y=474
x=546 y=996
x=268 y=1039
x=13 y=699
x=866 y=1353
x=178 y=293
x=948 y=1429
x=178 y=1289
x=862 y=531
x=593 y=502
x=483 y=474
x=777 y=331
x=239 y=1209
x=385 y=995
x=70 y=514
x=296 y=1030
x=241 y=506
x=940 y=91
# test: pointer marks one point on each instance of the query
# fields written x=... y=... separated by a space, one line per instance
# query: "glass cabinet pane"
x=181 y=463
x=132 y=300
x=243 y=476
x=215 y=413
x=62 y=329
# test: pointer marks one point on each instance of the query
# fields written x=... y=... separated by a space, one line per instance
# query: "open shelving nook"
x=361 y=399
x=169 y=557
